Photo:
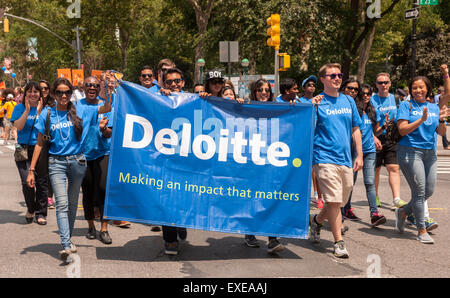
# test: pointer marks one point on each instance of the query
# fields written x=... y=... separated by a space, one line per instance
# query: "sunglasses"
x=176 y=81
x=44 y=88
x=366 y=93
x=383 y=82
x=334 y=75
x=352 y=88
x=89 y=85
x=217 y=81
x=146 y=75
x=60 y=93
x=263 y=89
x=310 y=85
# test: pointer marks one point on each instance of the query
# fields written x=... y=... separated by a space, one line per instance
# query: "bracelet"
x=442 y=121
x=31 y=170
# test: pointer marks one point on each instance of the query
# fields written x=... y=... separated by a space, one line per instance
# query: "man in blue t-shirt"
x=309 y=87
x=386 y=108
x=289 y=92
x=337 y=126
x=146 y=78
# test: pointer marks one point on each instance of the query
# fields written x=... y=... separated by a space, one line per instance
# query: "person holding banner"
x=69 y=127
x=24 y=118
x=419 y=122
x=146 y=77
x=163 y=65
x=338 y=123
x=173 y=82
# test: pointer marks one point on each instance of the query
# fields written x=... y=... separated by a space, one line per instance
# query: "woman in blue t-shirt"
x=69 y=126
x=24 y=118
x=418 y=122
x=369 y=145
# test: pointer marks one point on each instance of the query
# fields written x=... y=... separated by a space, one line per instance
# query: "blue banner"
x=210 y=164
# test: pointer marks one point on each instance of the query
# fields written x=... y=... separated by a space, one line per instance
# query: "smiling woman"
x=67 y=163
x=24 y=118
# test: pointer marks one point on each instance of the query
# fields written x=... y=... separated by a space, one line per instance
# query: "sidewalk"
x=440 y=149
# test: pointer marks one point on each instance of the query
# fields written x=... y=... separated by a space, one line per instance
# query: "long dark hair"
x=71 y=108
x=255 y=85
x=348 y=81
x=30 y=86
x=49 y=101
x=369 y=110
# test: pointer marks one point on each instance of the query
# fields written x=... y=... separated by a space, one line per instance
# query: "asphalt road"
x=32 y=250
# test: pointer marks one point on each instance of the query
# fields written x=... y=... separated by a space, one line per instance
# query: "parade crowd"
x=62 y=136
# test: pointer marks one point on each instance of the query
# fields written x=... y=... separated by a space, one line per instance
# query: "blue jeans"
x=419 y=166
x=66 y=174
x=369 y=180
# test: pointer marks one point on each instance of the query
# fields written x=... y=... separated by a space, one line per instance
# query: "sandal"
x=41 y=221
x=29 y=219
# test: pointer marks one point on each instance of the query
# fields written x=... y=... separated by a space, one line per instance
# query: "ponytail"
x=77 y=121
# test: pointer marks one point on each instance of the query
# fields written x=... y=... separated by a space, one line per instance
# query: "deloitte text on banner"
x=210 y=164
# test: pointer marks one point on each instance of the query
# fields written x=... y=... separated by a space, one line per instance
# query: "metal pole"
x=277 y=79
x=201 y=75
x=78 y=47
x=229 y=58
x=413 y=44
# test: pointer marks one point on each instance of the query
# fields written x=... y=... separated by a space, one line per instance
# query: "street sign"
x=413 y=13
x=229 y=51
x=426 y=2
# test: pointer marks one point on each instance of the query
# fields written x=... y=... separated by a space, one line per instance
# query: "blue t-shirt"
x=24 y=135
x=368 y=144
x=301 y=100
x=336 y=118
x=383 y=106
x=424 y=136
x=95 y=145
x=63 y=140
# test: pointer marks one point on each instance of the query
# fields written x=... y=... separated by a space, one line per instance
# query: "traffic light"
x=6 y=25
x=274 y=31
x=284 y=61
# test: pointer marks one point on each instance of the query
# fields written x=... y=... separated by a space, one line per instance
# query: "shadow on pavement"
x=8 y=216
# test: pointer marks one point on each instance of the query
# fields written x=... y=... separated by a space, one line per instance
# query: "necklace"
x=428 y=121
x=60 y=128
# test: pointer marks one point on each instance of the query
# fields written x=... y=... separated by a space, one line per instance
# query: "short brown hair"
x=384 y=74
x=323 y=69
x=167 y=62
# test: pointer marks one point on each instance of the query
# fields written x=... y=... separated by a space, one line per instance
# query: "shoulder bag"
x=41 y=167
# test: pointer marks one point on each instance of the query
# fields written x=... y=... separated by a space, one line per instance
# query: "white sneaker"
x=398 y=203
x=340 y=251
x=425 y=238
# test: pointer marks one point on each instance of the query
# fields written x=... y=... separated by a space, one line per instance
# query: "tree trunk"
x=364 y=51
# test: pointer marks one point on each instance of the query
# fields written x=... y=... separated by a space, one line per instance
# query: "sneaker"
x=171 y=248
x=430 y=224
x=182 y=233
x=314 y=229
x=104 y=237
x=344 y=230
x=378 y=202
x=274 y=246
x=410 y=220
x=425 y=238
x=339 y=250
x=51 y=204
x=121 y=224
x=156 y=229
x=320 y=203
x=91 y=234
x=399 y=221
x=251 y=241
x=65 y=255
x=377 y=219
x=398 y=203
x=351 y=216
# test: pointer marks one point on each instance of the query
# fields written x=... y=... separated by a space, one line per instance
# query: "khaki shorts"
x=335 y=182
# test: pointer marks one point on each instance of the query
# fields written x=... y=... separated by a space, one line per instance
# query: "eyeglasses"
x=352 y=88
x=145 y=75
x=334 y=75
x=89 y=85
x=60 y=93
x=310 y=85
x=263 y=89
x=383 y=82
x=176 y=81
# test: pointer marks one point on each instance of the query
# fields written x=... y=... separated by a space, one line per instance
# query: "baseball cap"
x=214 y=74
x=310 y=78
